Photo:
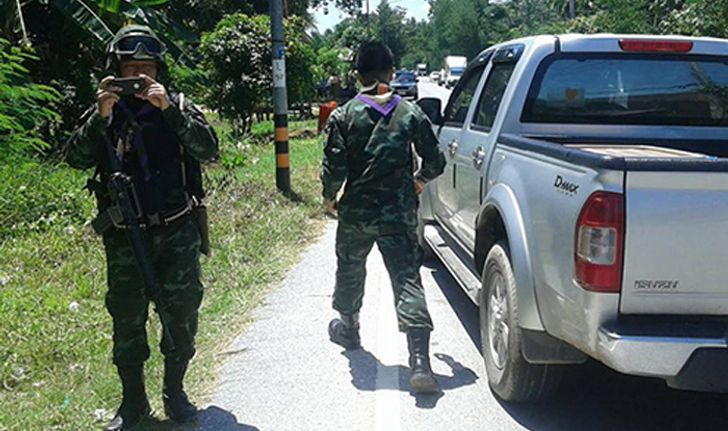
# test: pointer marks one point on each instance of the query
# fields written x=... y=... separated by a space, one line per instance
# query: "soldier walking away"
x=368 y=144
x=154 y=140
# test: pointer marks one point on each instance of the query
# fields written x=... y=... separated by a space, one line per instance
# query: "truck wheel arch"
x=500 y=219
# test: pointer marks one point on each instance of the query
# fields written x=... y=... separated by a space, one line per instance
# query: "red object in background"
x=324 y=111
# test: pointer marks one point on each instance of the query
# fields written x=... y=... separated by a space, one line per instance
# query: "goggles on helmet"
x=131 y=45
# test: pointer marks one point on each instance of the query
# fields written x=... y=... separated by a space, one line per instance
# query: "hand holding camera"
x=106 y=96
x=154 y=93
x=111 y=89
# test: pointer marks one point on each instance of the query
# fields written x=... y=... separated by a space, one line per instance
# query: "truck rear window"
x=630 y=90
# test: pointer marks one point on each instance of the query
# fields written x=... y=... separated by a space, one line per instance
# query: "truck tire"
x=427 y=254
x=510 y=377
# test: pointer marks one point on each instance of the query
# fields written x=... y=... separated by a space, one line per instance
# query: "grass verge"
x=55 y=334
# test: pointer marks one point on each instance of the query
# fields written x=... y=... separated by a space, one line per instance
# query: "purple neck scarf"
x=384 y=110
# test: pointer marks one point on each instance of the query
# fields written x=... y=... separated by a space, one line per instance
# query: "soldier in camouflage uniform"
x=160 y=139
x=368 y=144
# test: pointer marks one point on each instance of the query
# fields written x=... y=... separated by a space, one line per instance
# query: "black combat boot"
x=345 y=331
x=134 y=403
x=422 y=380
x=176 y=404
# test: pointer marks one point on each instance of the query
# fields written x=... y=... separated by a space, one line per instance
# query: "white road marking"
x=387 y=405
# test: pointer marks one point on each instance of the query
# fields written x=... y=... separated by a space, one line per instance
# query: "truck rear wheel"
x=510 y=376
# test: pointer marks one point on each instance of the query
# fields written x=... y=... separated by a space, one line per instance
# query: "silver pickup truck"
x=584 y=207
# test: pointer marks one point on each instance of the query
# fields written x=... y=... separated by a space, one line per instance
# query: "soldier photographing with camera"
x=146 y=144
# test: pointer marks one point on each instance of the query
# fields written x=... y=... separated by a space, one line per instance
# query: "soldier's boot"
x=345 y=331
x=176 y=404
x=134 y=404
x=422 y=380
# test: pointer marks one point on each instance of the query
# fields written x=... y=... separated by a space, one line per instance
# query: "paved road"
x=284 y=374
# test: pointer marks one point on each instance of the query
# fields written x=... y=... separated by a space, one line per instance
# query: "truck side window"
x=463 y=95
x=491 y=96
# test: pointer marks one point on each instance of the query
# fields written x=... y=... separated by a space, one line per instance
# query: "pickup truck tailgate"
x=676 y=243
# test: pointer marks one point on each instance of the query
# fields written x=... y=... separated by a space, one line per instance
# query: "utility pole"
x=280 y=98
x=572 y=12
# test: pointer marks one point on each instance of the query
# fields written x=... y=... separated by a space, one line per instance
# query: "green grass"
x=55 y=366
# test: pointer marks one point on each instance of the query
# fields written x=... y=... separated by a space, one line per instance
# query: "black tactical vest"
x=164 y=177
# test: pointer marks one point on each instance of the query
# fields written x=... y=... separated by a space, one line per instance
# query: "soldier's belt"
x=113 y=218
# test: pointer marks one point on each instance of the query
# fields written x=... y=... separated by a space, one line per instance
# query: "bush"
x=25 y=108
x=35 y=196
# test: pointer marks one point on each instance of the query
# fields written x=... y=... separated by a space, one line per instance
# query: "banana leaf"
x=115 y=6
x=148 y=3
x=86 y=17
x=109 y=5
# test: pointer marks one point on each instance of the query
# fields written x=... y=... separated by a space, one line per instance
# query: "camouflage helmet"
x=135 y=42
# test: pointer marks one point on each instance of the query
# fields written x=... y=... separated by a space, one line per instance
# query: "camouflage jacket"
x=171 y=137
x=373 y=154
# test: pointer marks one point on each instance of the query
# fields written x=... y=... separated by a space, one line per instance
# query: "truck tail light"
x=599 y=243
x=642 y=45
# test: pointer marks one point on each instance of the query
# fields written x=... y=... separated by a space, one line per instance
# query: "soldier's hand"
x=106 y=97
x=330 y=206
x=419 y=187
x=154 y=93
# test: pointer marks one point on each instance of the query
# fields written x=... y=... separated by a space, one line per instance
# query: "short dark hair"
x=374 y=58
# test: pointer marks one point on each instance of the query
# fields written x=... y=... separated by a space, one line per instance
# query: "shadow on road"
x=212 y=418
x=597 y=398
x=464 y=308
x=364 y=366
x=592 y=397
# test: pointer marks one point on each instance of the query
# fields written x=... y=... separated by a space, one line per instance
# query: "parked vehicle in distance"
x=583 y=207
x=405 y=84
x=454 y=68
x=435 y=77
x=422 y=69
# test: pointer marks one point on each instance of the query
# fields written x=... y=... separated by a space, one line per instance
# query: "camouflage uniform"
x=178 y=134
x=373 y=153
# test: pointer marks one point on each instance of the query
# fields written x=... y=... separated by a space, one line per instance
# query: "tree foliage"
x=349 y=6
x=237 y=57
x=25 y=108
x=69 y=38
x=465 y=27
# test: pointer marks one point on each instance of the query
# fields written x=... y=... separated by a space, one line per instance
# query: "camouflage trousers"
x=174 y=252
x=402 y=258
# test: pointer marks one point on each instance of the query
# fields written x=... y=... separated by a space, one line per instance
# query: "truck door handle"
x=478 y=157
x=453 y=147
